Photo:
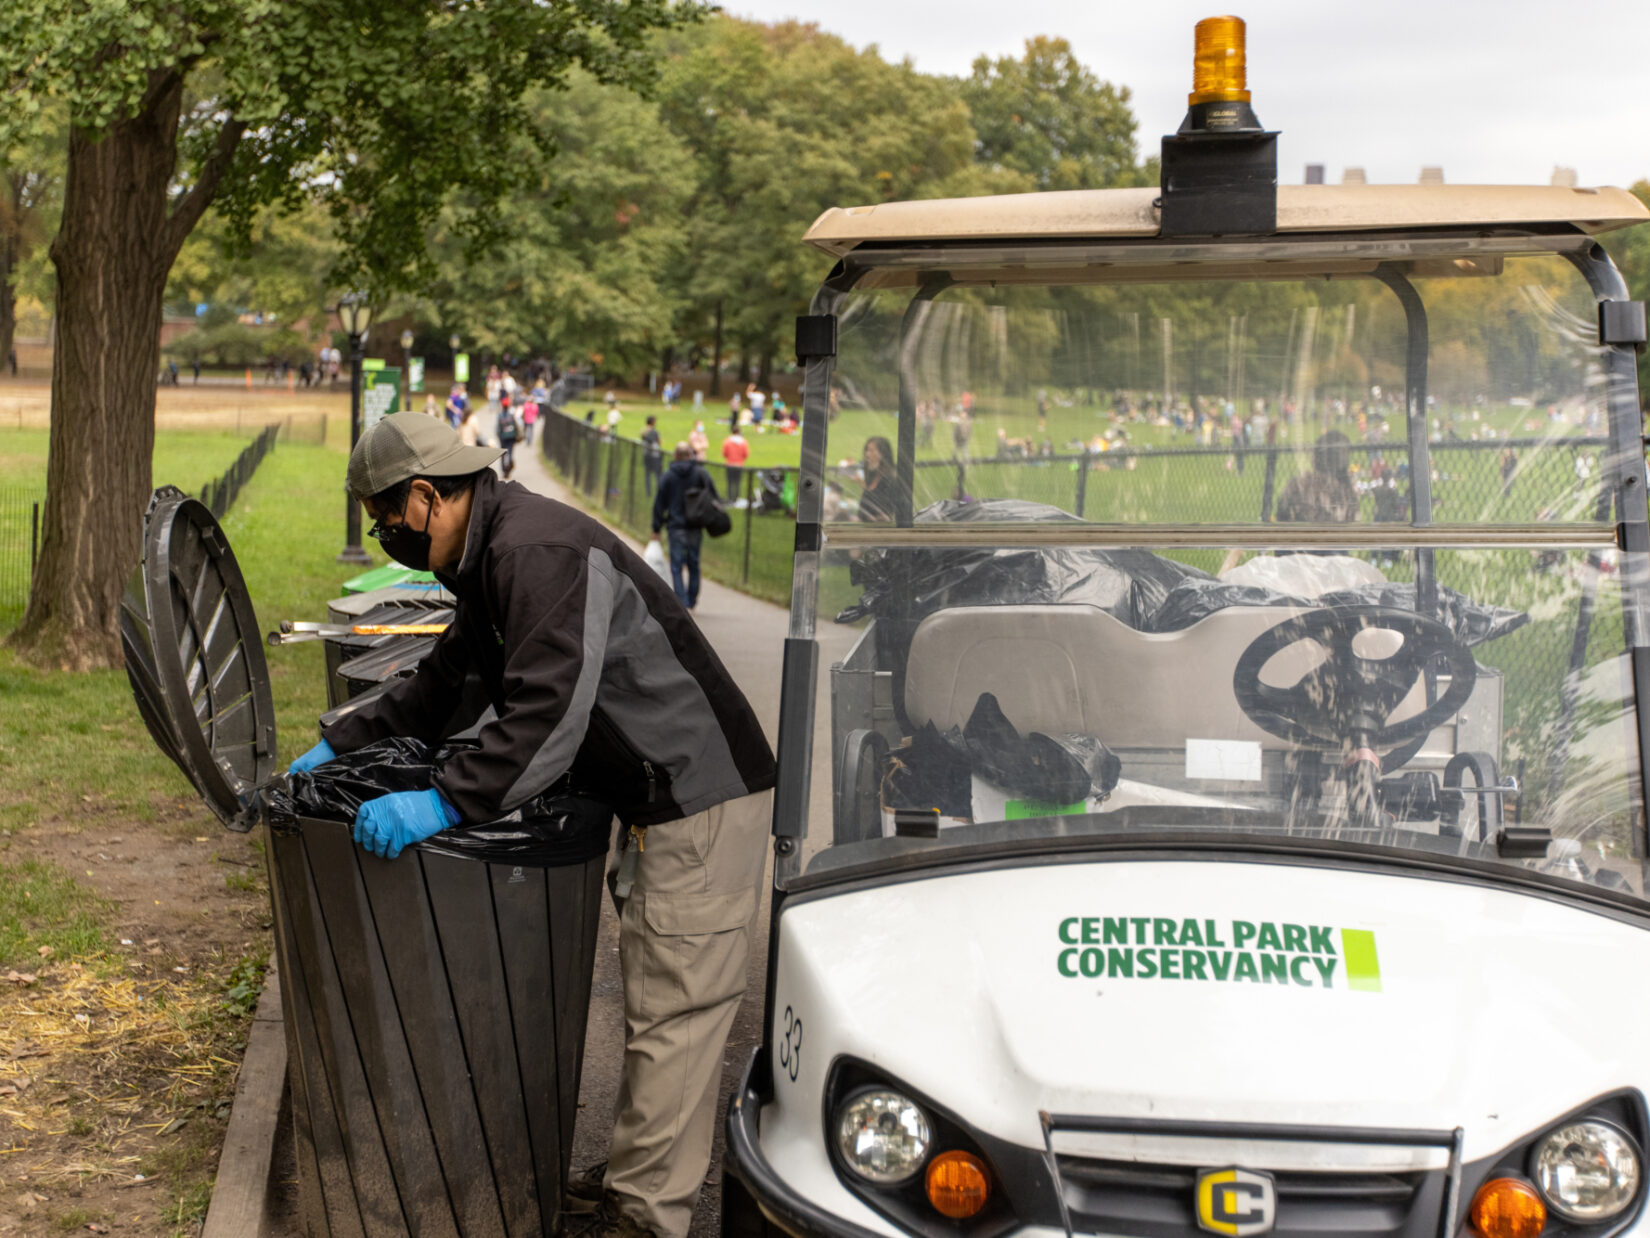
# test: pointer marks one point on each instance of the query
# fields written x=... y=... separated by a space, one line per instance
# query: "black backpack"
x=701 y=509
x=507 y=429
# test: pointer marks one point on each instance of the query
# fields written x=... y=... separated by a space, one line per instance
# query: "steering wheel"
x=1348 y=698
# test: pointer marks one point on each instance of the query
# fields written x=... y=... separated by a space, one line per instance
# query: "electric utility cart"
x=1221 y=804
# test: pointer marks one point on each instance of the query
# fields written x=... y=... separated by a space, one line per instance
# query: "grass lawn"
x=66 y=737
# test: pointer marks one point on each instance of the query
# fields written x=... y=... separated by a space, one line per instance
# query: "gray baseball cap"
x=405 y=445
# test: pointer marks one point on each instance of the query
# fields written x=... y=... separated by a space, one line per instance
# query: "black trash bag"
x=912 y=583
x=932 y=771
x=1059 y=769
x=1472 y=622
x=560 y=826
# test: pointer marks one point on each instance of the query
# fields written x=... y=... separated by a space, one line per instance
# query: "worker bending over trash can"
x=594 y=669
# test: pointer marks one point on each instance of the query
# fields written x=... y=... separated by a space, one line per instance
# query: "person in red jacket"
x=735 y=451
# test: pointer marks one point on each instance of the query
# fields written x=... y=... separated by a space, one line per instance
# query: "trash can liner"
x=911 y=583
x=1060 y=769
x=559 y=826
x=1473 y=622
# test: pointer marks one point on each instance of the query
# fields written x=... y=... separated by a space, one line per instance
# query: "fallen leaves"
x=20 y=977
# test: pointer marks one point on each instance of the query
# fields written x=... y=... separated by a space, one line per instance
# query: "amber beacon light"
x=1219 y=71
x=1220 y=170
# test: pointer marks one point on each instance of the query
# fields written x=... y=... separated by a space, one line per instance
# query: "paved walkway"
x=749 y=637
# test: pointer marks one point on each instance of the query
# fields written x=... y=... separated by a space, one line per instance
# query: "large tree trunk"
x=112 y=254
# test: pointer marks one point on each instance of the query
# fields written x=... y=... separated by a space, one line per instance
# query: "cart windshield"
x=1320 y=547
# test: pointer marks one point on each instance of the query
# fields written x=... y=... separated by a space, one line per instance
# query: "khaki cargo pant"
x=684 y=947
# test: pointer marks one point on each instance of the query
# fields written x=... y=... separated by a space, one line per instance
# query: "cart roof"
x=1103 y=213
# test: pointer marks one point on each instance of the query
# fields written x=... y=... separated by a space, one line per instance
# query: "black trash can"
x=435 y=1004
x=358 y=662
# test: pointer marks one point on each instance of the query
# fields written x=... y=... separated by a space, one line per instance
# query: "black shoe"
x=605 y=1220
x=584 y=1188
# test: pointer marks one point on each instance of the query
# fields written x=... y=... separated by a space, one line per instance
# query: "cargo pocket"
x=691 y=951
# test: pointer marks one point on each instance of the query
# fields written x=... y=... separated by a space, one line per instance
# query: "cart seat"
x=1076 y=668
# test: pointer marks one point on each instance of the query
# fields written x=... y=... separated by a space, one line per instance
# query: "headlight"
x=883 y=1137
x=1587 y=1171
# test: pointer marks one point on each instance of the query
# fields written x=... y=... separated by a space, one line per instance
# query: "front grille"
x=1157 y=1201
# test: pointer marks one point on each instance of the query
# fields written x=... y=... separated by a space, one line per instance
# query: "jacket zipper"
x=647 y=768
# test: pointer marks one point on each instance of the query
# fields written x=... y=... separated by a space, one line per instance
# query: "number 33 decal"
x=790 y=1045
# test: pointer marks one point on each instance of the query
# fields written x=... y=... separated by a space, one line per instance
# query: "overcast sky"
x=1494 y=93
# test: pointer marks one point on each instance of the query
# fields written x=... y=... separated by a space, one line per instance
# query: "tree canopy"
x=393 y=116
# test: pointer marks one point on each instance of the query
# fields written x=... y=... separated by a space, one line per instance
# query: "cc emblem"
x=1236 y=1202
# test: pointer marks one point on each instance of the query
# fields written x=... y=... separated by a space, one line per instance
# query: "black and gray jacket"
x=592 y=666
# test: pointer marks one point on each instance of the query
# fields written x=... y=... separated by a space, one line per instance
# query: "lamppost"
x=406 y=367
x=355 y=316
x=453 y=342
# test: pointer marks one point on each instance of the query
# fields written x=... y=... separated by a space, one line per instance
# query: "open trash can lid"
x=195 y=657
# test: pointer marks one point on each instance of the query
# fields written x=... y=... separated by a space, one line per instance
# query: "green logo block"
x=1363 y=965
x=1020 y=810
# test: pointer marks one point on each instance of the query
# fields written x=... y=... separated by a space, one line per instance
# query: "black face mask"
x=408 y=546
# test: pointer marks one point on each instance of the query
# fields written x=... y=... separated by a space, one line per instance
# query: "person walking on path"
x=670 y=514
x=735 y=451
x=529 y=417
x=508 y=432
x=653 y=456
x=594 y=673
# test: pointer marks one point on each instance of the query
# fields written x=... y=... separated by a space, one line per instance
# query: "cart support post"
x=1624 y=467
x=1420 y=455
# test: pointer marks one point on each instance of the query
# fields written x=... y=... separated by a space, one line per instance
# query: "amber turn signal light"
x=957 y=1185
x=1508 y=1208
x=1219 y=71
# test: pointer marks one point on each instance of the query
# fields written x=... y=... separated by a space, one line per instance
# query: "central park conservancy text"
x=1160 y=948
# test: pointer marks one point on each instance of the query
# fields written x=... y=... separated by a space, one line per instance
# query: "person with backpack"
x=670 y=513
x=508 y=432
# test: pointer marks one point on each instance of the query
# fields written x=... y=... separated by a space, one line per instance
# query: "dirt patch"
x=117 y=1069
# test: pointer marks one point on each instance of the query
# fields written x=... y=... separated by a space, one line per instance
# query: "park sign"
x=461 y=367
x=415 y=374
x=380 y=394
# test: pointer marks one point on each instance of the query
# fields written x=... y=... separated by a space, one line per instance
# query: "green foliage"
x=588 y=238
x=283 y=271
x=234 y=345
x=1048 y=118
x=245 y=984
x=783 y=121
x=373 y=108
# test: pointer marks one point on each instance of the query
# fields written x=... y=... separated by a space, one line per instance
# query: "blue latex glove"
x=385 y=825
x=318 y=755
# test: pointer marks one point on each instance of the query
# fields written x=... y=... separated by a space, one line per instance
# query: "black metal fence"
x=21 y=508
x=613 y=475
x=220 y=493
x=1495 y=481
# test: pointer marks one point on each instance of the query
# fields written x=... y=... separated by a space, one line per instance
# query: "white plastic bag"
x=654 y=557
